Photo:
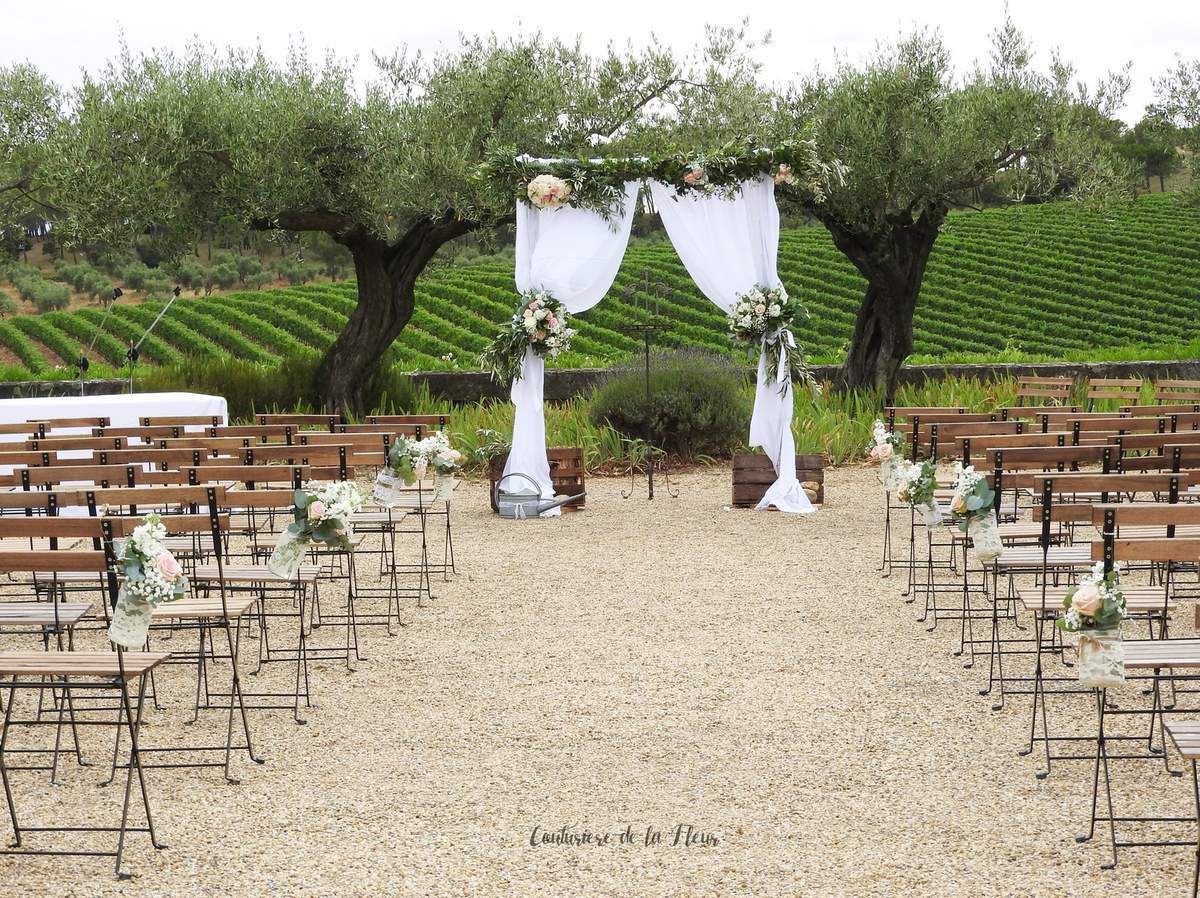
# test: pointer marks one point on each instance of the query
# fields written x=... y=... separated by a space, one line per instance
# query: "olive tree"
x=1177 y=96
x=163 y=145
x=30 y=107
x=917 y=141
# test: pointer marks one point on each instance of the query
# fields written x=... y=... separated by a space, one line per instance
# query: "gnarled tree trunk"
x=387 y=276
x=893 y=262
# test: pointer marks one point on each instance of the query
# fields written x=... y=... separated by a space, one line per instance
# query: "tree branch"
x=638 y=104
x=317 y=220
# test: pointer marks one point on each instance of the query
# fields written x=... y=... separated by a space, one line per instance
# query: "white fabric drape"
x=728 y=245
x=574 y=255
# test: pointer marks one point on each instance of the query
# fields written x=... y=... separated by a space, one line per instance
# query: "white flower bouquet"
x=541 y=323
x=917 y=484
x=152 y=576
x=1094 y=609
x=410 y=460
x=321 y=513
x=762 y=319
x=972 y=510
x=548 y=192
x=887 y=448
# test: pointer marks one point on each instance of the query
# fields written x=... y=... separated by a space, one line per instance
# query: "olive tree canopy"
x=163 y=144
x=916 y=141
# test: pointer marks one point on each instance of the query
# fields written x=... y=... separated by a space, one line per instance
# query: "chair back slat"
x=53 y=562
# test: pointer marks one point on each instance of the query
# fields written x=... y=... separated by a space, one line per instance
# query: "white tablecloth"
x=124 y=410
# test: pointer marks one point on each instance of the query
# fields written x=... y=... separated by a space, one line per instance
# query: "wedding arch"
x=720 y=213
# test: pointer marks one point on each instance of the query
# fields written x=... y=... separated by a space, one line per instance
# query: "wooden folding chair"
x=205 y=613
x=1047 y=390
x=115 y=672
x=1113 y=389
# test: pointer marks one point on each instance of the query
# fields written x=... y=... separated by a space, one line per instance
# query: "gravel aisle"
x=667 y=671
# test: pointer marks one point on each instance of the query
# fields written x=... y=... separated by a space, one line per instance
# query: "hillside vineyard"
x=1045 y=280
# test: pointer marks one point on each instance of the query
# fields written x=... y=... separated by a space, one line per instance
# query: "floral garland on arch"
x=541 y=323
x=152 y=577
x=410 y=460
x=321 y=513
x=762 y=319
x=599 y=184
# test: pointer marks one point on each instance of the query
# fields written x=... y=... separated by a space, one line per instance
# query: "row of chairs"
x=1108 y=390
x=1076 y=491
x=223 y=497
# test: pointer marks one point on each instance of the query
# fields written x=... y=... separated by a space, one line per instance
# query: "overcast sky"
x=65 y=36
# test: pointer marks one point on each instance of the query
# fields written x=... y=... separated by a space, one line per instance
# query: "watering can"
x=527 y=505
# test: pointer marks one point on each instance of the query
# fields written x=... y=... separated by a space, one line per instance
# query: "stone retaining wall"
x=564 y=383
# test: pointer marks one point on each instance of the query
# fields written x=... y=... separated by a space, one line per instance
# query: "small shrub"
x=698 y=403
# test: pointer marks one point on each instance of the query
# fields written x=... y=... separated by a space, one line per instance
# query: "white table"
x=123 y=409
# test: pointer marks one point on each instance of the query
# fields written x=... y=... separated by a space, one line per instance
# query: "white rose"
x=774 y=309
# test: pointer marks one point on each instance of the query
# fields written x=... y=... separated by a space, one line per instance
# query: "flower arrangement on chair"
x=152 y=577
x=887 y=449
x=972 y=508
x=322 y=513
x=541 y=323
x=1094 y=609
x=410 y=460
x=918 y=480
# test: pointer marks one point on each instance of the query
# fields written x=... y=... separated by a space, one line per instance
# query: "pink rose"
x=885 y=451
x=168 y=566
x=957 y=504
x=549 y=321
x=759 y=309
x=874 y=453
x=316 y=510
x=1087 y=599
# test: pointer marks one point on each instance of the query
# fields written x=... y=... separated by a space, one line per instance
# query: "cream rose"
x=1087 y=599
x=957 y=504
x=316 y=510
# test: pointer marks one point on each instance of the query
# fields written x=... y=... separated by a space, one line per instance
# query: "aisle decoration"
x=152 y=577
x=918 y=482
x=762 y=320
x=322 y=513
x=1094 y=609
x=540 y=324
x=972 y=508
x=888 y=450
x=410 y=460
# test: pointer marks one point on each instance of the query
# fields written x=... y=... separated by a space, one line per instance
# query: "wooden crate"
x=566 y=473
x=753 y=473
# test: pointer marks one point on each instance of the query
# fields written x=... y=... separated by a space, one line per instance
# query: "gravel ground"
x=746 y=675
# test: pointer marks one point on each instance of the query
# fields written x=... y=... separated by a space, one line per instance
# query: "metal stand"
x=132 y=354
x=638 y=295
x=81 y=367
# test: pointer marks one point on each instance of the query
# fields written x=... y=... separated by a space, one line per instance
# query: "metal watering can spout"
x=557 y=501
x=527 y=504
